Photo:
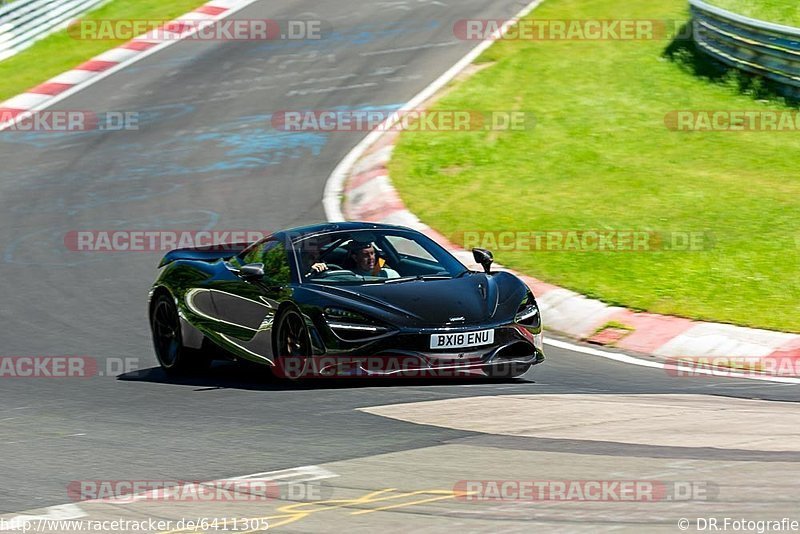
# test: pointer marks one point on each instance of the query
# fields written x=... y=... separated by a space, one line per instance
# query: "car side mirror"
x=483 y=257
x=252 y=272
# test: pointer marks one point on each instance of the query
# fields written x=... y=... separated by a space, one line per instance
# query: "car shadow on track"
x=231 y=375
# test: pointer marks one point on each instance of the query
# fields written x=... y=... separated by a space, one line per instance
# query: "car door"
x=245 y=310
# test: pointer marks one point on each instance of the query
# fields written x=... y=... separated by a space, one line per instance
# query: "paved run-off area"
x=554 y=463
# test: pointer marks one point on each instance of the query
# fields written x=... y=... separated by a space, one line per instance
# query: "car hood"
x=469 y=300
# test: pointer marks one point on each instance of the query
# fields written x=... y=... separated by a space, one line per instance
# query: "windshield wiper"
x=418 y=277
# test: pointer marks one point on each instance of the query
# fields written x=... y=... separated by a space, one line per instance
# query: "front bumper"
x=515 y=349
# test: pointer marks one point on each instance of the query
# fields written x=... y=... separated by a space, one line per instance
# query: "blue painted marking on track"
x=51 y=140
x=244 y=144
x=359 y=35
x=46 y=247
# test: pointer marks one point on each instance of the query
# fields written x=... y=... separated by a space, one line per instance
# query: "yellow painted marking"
x=402 y=505
x=296 y=511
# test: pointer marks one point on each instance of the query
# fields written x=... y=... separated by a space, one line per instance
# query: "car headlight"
x=352 y=326
x=528 y=311
x=340 y=314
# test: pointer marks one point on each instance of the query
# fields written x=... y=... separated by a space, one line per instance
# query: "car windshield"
x=372 y=257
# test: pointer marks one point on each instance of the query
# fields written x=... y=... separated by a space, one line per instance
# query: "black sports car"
x=343 y=299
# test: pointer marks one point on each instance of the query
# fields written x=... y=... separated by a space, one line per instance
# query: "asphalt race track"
x=204 y=157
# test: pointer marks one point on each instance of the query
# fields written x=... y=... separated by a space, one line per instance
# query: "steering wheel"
x=327 y=272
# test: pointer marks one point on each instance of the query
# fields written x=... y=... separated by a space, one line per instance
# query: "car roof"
x=324 y=228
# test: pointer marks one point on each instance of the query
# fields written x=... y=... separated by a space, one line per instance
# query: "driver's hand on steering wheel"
x=319 y=267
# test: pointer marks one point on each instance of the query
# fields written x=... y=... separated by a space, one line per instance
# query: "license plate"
x=459 y=340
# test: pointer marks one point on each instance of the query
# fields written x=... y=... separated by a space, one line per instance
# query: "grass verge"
x=602 y=158
x=779 y=11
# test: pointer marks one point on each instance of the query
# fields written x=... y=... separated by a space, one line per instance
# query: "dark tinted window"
x=272 y=254
x=399 y=254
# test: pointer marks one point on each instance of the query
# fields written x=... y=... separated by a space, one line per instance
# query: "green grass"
x=780 y=11
x=60 y=52
x=600 y=157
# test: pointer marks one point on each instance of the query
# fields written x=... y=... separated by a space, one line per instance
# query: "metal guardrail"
x=755 y=46
x=23 y=22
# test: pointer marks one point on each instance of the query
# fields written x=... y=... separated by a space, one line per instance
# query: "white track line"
x=689 y=370
x=296 y=475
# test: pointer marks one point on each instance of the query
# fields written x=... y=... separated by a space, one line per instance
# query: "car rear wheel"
x=172 y=354
x=293 y=344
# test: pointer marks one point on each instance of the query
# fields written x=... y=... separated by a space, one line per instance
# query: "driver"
x=311 y=252
x=367 y=262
